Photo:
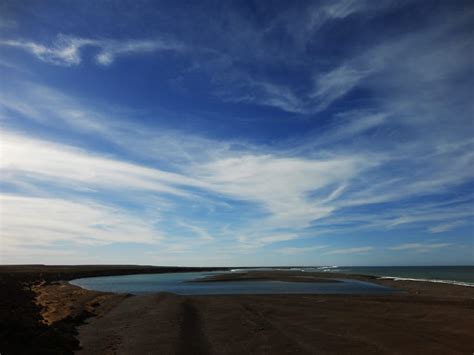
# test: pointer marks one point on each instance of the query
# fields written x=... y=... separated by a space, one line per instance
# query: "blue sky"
x=237 y=132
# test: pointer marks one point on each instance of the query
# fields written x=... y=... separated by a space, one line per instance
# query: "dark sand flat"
x=286 y=276
x=39 y=312
x=171 y=324
x=427 y=319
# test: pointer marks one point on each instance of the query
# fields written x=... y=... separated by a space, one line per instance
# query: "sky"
x=237 y=133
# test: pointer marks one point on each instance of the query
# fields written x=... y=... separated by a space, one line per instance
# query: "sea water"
x=458 y=275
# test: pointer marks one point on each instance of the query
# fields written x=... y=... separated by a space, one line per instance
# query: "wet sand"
x=428 y=318
x=410 y=287
x=170 y=324
x=286 y=276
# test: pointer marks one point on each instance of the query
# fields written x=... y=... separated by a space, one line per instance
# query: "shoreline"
x=412 y=287
x=430 y=317
x=323 y=274
x=447 y=282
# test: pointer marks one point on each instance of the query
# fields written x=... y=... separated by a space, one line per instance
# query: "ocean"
x=460 y=275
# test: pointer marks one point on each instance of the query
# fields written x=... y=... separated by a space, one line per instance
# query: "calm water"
x=177 y=283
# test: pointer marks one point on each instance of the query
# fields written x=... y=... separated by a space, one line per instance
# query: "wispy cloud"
x=371 y=142
x=67 y=50
x=290 y=191
x=256 y=240
x=335 y=84
x=78 y=169
x=440 y=228
x=358 y=250
x=109 y=50
x=282 y=185
x=284 y=200
x=267 y=94
x=420 y=247
x=435 y=215
x=300 y=250
x=375 y=68
x=34 y=222
x=289 y=187
x=203 y=233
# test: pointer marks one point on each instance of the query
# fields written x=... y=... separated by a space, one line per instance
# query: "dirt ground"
x=427 y=319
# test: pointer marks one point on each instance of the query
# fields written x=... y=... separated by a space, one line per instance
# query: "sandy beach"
x=281 y=325
x=40 y=311
x=425 y=318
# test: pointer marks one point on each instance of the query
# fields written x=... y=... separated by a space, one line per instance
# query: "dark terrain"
x=22 y=329
x=41 y=313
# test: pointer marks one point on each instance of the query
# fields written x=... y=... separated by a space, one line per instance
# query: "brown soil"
x=427 y=318
x=286 y=324
x=61 y=300
x=40 y=316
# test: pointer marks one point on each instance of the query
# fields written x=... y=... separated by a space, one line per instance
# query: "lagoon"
x=179 y=283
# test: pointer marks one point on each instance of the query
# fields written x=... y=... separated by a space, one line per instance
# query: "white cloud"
x=440 y=228
x=335 y=84
x=257 y=240
x=358 y=250
x=112 y=49
x=36 y=223
x=343 y=8
x=434 y=215
x=294 y=189
x=420 y=247
x=281 y=185
x=415 y=87
x=66 y=50
x=300 y=250
x=27 y=158
x=410 y=137
x=113 y=124
x=267 y=94
x=203 y=234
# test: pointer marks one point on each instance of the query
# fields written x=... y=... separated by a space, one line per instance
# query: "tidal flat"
x=422 y=318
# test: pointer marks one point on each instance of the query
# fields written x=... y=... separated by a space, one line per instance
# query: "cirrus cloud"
x=67 y=50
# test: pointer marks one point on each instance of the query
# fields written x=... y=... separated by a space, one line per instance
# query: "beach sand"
x=428 y=318
x=42 y=314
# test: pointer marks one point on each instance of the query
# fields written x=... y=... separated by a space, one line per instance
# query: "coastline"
x=448 y=282
x=411 y=287
x=430 y=317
